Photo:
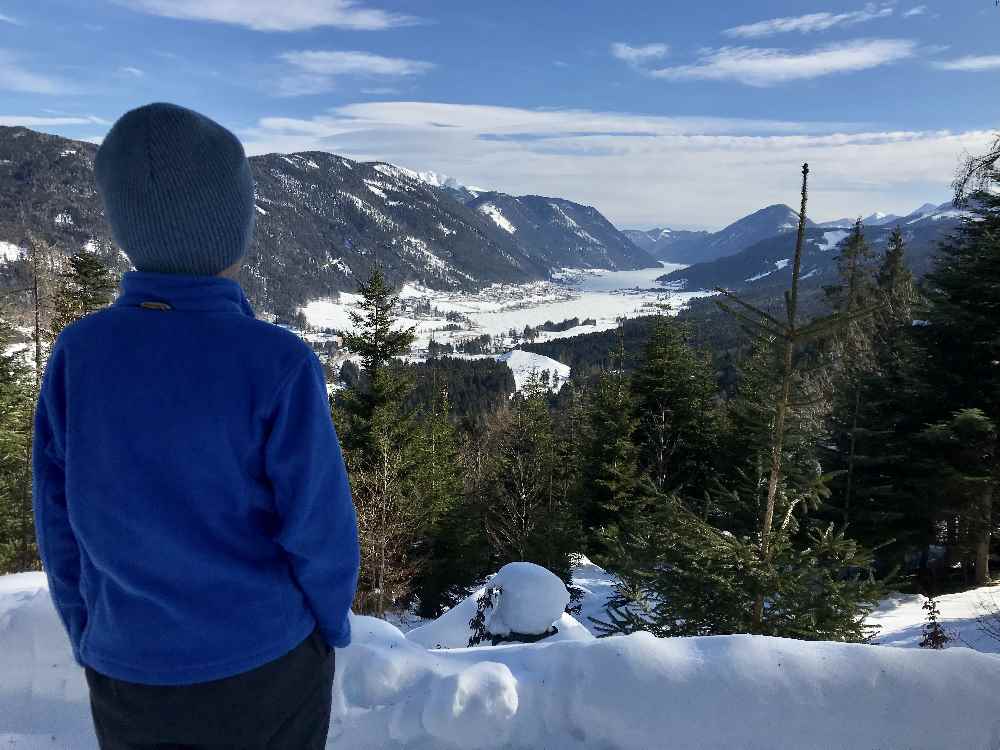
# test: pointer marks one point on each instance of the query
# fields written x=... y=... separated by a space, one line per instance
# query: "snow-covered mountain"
x=559 y=233
x=323 y=221
x=663 y=243
x=766 y=265
x=879 y=219
x=700 y=247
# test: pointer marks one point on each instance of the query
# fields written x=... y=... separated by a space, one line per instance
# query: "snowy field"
x=423 y=690
x=601 y=295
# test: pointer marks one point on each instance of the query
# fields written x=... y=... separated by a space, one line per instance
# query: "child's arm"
x=57 y=544
x=318 y=524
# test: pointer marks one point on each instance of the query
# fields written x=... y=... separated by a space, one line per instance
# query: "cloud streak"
x=765 y=67
x=14 y=77
x=971 y=63
x=638 y=55
x=316 y=71
x=919 y=10
x=30 y=121
x=811 y=22
x=275 y=15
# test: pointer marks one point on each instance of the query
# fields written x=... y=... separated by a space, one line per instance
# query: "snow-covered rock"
x=530 y=601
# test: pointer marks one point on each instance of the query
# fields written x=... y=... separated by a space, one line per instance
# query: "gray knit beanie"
x=177 y=191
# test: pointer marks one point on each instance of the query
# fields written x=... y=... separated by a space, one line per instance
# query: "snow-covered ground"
x=574 y=692
x=590 y=295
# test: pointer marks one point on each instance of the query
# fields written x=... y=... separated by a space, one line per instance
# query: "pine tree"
x=966 y=481
x=963 y=300
x=528 y=517
x=449 y=524
x=674 y=390
x=611 y=500
x=87 y=286
x=786 y=404
x=18 y=550
x=380 y=442
x=934 y=636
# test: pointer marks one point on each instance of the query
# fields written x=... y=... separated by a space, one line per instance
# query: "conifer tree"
x=86 y=286
x=379 y=439
x=934 y=636
x=528 y=517
x=449 y=524
x=791 y=335
x=613 y=500
x=674 y=390
x=18 y=550
x=963 y=297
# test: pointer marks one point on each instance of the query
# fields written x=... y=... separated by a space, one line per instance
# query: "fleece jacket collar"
x=183 y=292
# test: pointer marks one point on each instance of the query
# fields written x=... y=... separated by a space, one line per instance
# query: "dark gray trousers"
x=282 y=705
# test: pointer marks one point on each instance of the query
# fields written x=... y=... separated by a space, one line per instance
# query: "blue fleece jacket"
x=192 y=508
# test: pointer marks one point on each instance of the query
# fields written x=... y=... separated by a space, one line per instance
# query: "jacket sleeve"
x=57 y=545
x=318 y=526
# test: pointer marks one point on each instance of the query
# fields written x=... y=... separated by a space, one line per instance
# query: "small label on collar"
x=149 y=305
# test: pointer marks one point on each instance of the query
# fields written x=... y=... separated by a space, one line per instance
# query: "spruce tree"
x=611 y=502
x=960 y=337
x=528 y=517
x=443 y=578
x=86 y=286
x=380 y=442
x=18 y=549
x=674 y=390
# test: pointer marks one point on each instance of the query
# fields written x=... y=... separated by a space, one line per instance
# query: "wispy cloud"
x=30 y=121
x=766 y=67
x=632 y=166
x=971 y=63
x=638 y=55
x=917 y=11
x=129 y=70
x=9 y=19
x=275 y=15
x=810 y=22
x=316 y=71
x=15 y=77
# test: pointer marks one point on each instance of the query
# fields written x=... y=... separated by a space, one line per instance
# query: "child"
x=192 y=507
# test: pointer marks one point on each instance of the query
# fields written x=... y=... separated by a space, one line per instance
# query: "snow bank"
x=637 y=691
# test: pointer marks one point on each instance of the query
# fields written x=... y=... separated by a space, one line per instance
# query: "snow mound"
x=622 y=693
x=526 y=365
x=531 y=599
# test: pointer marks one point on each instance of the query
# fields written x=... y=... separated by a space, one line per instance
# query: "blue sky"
x=656 y=112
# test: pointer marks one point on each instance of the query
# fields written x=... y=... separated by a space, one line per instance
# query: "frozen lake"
x=603 y=296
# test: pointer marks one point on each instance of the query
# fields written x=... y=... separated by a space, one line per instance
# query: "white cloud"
x=917 y=11
x=639 y=55
x=363 y=63
x=765 y=67
x=30 y=121
x=316 y=70
x=810 y=22
x=972 y=63
x=8 y=19
x=640 y=170
x=14 y=77
x=275 y=15
x=131 y=71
